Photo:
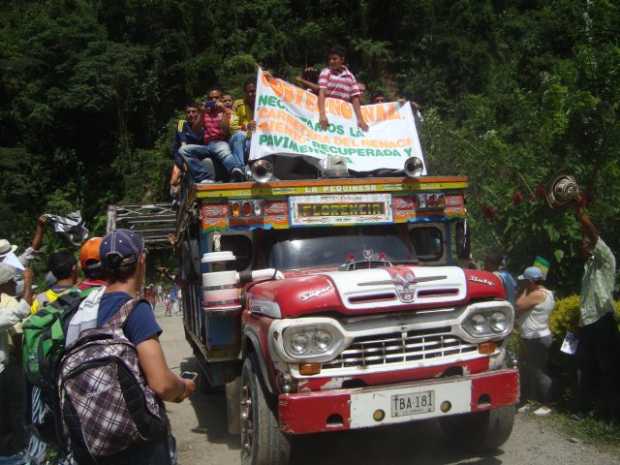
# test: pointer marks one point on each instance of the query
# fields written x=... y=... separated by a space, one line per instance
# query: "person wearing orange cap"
x=90 y=262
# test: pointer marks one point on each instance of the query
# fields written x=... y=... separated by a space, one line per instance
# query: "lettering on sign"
x=340 y=209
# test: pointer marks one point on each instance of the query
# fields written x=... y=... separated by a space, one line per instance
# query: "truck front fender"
x=251 y=343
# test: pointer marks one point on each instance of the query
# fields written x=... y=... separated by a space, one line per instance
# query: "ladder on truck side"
x=156 y=222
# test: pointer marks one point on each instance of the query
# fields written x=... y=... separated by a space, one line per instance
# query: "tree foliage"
x=513 y=93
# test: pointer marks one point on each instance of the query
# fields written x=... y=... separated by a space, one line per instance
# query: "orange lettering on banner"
x=294 y=95
x=311 y=102
x=380 y=112
x=264 y=80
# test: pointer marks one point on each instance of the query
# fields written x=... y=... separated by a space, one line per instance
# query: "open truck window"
x=428 y=243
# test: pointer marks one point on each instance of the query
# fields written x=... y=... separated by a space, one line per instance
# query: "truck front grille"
x=399 y=347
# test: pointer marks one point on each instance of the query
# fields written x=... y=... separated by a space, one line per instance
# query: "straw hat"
x=6 y=247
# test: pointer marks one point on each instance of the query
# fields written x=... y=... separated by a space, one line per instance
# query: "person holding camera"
x=215 y=138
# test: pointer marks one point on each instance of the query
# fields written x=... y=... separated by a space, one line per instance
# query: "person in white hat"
x=7 y=250
x=12 y=311
x=533 y=307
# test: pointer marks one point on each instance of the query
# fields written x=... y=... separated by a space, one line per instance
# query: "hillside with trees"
x=513 y=93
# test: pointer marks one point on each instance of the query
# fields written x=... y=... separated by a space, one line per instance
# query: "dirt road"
x=200 y=429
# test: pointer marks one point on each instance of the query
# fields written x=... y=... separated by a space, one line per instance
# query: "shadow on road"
x=210 y=410
x=419 y=443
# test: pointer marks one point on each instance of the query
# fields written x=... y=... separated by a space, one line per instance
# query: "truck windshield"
x=318 y=247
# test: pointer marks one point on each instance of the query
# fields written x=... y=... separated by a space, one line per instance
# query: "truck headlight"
x=311 y=340
x=299 y=344
x=488 y=320
x=498 y=322
x=314 y=339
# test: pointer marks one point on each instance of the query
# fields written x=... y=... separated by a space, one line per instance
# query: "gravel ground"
x=199 y=426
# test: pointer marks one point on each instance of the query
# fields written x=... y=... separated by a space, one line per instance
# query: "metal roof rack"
x=154 y=221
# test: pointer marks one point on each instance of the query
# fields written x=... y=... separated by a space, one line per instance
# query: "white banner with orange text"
x=287 y=122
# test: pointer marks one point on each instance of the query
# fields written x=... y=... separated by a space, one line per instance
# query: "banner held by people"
x=287 y=122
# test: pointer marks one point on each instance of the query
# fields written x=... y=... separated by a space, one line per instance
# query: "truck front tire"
x=262 y=442
x=482 y=431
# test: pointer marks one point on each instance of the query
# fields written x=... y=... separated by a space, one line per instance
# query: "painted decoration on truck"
x=287 y=122
x=315 y=210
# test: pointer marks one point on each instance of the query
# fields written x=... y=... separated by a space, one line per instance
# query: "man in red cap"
x=90 y=262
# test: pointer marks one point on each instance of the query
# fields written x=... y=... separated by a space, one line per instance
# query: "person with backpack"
x=12 y=312
x=123 y=422
x=64 y=267
x=57 y=304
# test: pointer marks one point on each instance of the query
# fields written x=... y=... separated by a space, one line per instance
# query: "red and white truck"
x=325 y=305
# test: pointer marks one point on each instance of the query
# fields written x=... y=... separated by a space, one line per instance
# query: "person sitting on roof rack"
x=242 y=122
x=189 y=133
x=336 y=81
x=215 y=145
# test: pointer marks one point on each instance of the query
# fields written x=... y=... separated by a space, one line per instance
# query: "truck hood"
x=371 y=291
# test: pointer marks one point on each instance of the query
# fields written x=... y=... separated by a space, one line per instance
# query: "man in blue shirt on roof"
x=189 y=132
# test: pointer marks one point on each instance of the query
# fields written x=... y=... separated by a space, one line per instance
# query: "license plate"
x=412 y=404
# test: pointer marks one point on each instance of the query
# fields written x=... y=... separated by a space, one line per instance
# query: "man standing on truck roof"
x=215 y=138
x=336 y=81
x=190 y=133
x=242 y=122
x=599 y=340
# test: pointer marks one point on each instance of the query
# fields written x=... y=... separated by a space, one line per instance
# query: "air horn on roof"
x=414 y=167
x=262 y=171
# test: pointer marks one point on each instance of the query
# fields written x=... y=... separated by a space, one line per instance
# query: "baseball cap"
x=89 y=253
x=531 y=273
x=121 y=247
x=7 y=273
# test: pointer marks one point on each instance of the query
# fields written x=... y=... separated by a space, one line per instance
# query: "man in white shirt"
x=12 y=311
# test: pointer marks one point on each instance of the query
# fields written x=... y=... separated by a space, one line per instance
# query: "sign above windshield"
x=321 y=210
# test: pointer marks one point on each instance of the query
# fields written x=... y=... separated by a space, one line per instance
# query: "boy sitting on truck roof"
x=242 y=122
x=336 y=81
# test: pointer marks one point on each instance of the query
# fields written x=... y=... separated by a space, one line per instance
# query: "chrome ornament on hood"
x=403 y=283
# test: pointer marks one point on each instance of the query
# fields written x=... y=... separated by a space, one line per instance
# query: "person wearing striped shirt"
x=336 y=81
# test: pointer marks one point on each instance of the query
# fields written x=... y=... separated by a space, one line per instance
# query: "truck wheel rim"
x=247 y=426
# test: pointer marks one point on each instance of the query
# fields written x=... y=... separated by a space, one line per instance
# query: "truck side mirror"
x=463 y=240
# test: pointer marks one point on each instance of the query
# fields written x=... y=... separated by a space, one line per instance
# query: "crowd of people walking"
x=92 y=312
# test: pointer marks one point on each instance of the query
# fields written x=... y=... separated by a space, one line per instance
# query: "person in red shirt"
x=215 y=138
x=336 y=81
